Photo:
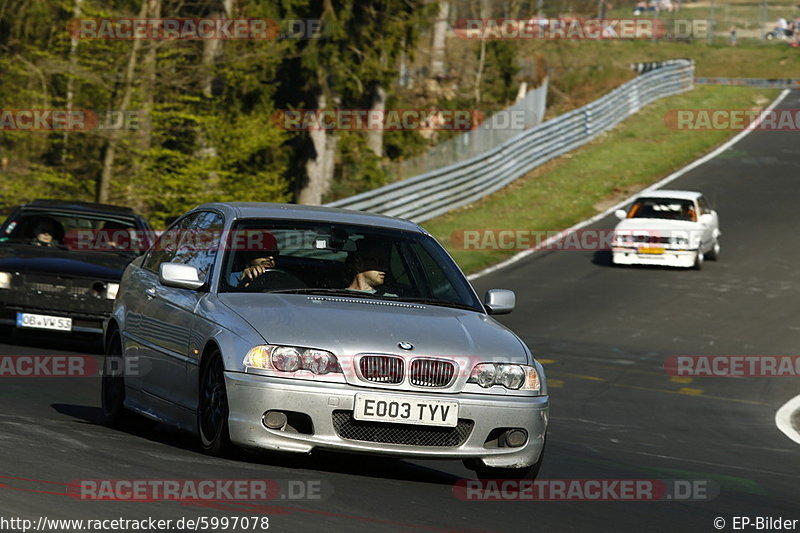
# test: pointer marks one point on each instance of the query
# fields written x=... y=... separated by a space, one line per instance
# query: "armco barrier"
x=434 y=193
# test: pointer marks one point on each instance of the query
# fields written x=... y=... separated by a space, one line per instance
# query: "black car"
x=61 y=262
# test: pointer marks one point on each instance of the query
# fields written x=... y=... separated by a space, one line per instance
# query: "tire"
x=698 y=260
x=112 y=387
x=212 y=407
x=713 y=254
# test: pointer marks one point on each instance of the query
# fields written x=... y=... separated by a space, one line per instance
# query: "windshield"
x=343 y=260
x=665 y=208
x=71 y=231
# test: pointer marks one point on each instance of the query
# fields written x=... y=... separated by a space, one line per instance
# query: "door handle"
x=150 y=292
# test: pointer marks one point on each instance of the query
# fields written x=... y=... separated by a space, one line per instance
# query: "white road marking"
x=783 y=418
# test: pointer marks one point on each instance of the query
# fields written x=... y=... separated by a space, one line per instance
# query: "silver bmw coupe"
x=289 y=328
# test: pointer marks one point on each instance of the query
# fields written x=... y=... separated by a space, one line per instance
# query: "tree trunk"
x=486 y=10
x=104 y=184
x=73 y=48
x=320 y=166
x=439 y=46
x=375 y=137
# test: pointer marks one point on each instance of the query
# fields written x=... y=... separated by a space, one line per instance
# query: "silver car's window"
x=194 y=240
x=313 y=257
x=666 y=208
x=166 y=247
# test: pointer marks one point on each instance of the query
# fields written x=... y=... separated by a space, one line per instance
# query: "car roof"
x=673 y=194
x=241 y=210
x=86 y=207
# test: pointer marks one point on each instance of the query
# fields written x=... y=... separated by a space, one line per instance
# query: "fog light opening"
x=274 y=419
x=515 y=438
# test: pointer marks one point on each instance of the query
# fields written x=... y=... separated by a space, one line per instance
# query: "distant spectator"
x=733 y=35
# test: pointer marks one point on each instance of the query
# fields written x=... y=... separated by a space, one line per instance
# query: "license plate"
x=58 y=323
x=379 y=408
x=651 y=251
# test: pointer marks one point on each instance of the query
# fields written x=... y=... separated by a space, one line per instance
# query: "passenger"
x=369 y=266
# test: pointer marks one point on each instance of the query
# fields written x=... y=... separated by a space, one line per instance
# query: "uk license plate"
x=30 y=320
x=381 y=408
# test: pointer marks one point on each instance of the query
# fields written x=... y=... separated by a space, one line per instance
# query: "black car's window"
x=322 y=257
x=665 y=208
x=73 y=231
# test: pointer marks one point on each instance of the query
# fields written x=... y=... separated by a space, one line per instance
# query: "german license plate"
x=651 y=251
x=379 y=408
x=30 y=320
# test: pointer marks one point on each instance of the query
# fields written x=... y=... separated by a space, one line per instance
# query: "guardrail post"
x=633 y=100
x=587 y=120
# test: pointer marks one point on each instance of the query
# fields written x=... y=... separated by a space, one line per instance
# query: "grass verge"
x=586 y=181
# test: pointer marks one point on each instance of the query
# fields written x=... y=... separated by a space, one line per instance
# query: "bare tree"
x=73 y=49
x=439 y=46
x=104 y=185
x=320 y=166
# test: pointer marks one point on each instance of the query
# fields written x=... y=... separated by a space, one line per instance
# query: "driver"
x=47 y=232
x=260 y=261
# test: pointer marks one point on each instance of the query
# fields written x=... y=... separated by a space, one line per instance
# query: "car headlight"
x=623 y=237
x=5 y=280
x=111 y=290
x=292 y=359
x=513 y=377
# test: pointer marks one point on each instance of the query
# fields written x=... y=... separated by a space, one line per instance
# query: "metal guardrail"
x=434 y=193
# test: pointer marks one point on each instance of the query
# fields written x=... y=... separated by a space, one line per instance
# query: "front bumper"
x=671 y=258
x=250 y=396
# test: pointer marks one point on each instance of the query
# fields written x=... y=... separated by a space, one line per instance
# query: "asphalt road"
x=603 y=334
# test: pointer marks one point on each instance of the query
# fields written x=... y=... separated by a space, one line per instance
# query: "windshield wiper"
x=332 y=292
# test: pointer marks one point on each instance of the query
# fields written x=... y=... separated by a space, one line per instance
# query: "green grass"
x=578 y=185
x=582 y=71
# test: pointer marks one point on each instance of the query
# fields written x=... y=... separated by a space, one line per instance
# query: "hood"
x=657 y=225
x=46 y=260
x=347 y=326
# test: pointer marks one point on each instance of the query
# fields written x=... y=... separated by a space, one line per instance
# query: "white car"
x=669 y=228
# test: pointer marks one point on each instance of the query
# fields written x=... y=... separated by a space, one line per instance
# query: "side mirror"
x=180 y=276
x=620 y=214
x=706 y=218
x=499 y=301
